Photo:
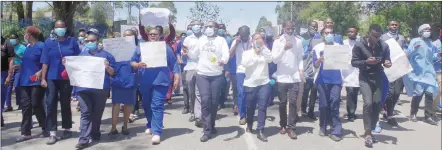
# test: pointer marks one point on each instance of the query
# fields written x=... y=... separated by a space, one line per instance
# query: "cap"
x=93 y=31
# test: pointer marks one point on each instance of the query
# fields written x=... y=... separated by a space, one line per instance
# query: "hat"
x=422 y=27
x=93 y=31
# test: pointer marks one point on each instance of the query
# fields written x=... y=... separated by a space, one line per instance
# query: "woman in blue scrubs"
x=92 y=101
x=58 y=88
x=31 y=91
x=19 y=49
x=154 y=84
x=123 y=91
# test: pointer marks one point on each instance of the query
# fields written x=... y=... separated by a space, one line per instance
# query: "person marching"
x=350 y=75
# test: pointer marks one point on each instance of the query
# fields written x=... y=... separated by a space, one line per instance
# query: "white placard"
x=154 y=54
x=121 y=48
x=400 y=64
x=125 y=27
x=85 y=71
x=336 y=57
x=154 y=16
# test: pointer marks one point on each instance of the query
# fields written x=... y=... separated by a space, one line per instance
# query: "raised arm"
x=171 y=35
x=277 y=51
x=143 y=32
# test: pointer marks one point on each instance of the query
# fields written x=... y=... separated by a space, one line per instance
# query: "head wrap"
x=422 y=27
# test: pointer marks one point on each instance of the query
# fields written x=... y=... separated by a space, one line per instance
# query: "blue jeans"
x=92 y=104
x=329 y=102
x=58 y=91
x=241 y=98
x=257 y=95
x=153 y=104
x=15 y=81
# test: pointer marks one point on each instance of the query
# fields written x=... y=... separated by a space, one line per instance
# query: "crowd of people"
x=208 y=62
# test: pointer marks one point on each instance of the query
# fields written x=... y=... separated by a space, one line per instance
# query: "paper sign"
x=395 y=49
x=154 y=16
x=125 y=27
x=400 y=64
x=121 y=48
x=336 y=57
x=85 y=71
x=154 y=54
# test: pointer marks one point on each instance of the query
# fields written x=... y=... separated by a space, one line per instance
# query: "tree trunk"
x=29 y=11
x=20 y=10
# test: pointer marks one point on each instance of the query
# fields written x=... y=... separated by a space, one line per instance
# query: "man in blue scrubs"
x=58 y=86
x=154 y=84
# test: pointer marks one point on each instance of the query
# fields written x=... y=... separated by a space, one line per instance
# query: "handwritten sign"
x=336 y=57
x=85 y=71
x=154 y=16
x=401 y=66
x=154 y=54
x=121 y=48
x=125 y=27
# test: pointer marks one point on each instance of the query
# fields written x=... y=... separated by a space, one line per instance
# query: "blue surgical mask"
x=189 y=32
x=60 y=31
x=221 y=32
x=196 y=29
x=329 y=38
x=13 y=41
x=257 y=45
x=80 y=38
x=91 y=46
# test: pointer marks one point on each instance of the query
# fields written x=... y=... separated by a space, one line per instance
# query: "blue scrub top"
x=31 y=64
x=54 y=51
x=159 y=75
x=327 y=76
x=103 y=54
x=124 y=75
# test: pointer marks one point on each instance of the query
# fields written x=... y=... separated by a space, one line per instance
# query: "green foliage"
x=9 y=28
x=204 y=12
x=263 y=22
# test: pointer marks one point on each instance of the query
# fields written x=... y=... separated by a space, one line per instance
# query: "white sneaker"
x=147 y=131
x=156 y=139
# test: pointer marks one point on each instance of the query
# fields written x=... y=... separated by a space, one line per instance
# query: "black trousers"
x=309 y=88
x=58 y=91
x=137 y=101
x=288 y=92
x=371 y=90
x=352 y=101
x=428 y=104
x=32 y=103
x=209 y=87
x=395 y=90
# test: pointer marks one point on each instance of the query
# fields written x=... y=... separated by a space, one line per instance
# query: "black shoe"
x=185 y=111
x=19 y=108
x=205 y=138
x=392 y=122
x=351 y=119
x=124 y=131
x=292 y=134
x=304 y=112
x=192 y=118
x=335 y=138
x=221 y=107
x=249 y=130
x=369 y=141
x=44 y=134
x=214 y=131
x=52 y=140
x=430 y=121
x=297 y=119
x=81 y=146
x=67 y=134
x=260 y=135
x=3 y=124
x=113 y=134
x=311 y=116
x=198 y=123
x=8 y=109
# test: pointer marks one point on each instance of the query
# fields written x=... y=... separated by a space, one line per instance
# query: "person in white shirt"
x=212 y=53
x=287 y=55
x=256 y=83
x=239 y=45
x=192 y=97
x=351 y=77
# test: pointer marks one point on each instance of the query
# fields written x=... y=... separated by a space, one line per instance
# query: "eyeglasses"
x=153 y=34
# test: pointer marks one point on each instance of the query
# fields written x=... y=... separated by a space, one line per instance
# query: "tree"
x=263 y=22
x=169 y=5
x=19 y=9
x=65 y=10
x=291 y=11
x=101 y=12
x=204 y=12
x=29 y=11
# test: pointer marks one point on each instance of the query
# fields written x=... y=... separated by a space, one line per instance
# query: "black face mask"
x=136 y=41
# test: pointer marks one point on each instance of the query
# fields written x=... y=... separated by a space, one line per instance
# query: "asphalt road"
x=179 y=134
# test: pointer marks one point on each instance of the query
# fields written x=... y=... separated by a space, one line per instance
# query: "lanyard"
x=59 y=50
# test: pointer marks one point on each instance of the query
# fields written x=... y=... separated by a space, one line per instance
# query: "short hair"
x=285 y=23
x=81 y=30
x=223 y=25
x=323 y=30
x=375 y=27
x=216 y=24
x=244 y=28
x=33 y=31
x=392 y=21
x=354 y=27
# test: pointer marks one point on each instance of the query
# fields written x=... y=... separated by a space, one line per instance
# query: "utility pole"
x=291 y=11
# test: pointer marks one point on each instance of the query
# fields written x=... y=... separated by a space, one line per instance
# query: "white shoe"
x=147 y=131
x=156 y=139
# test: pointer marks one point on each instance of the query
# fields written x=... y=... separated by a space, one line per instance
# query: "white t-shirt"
x=210 y=52
x=191 y=43
x=256 y=67
x=289 y=62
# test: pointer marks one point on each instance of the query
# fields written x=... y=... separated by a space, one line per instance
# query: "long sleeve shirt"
x=191 y=42
x=325 y=76
x=289 y=62
x=240 y=48
x=210 y=52
x=256 y=67
x=437 y=62
x=362 y=51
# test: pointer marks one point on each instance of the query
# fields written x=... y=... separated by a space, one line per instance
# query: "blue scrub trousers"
x=329 y=104
x=15 y=80
x=153 y=105
x=92 y=104
x=241 y=98
x=257 y=95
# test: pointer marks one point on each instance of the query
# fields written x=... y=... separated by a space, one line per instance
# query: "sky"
x=236 y=13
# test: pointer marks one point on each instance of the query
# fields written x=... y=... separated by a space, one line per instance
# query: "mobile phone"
x=379 y=58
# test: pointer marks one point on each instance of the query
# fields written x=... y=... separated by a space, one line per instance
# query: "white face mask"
x=426 y=34
x=209 y=31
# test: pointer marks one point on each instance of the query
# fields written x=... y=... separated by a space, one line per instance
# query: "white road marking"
x=251 y=145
